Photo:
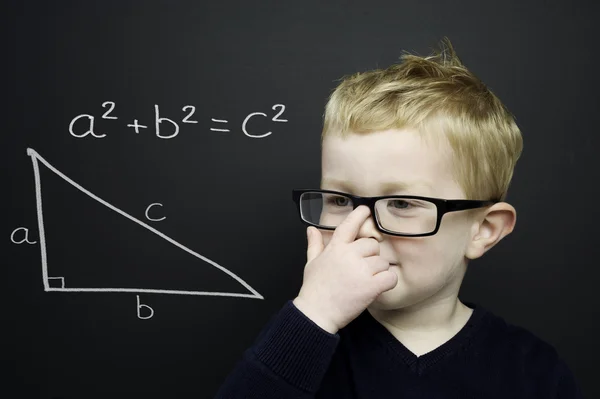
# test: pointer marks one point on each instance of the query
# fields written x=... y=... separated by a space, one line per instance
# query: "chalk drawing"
x=36 y=159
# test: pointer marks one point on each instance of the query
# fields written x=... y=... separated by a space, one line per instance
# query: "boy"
x=416 y=163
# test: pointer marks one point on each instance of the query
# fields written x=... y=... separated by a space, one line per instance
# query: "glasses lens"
x=398 y=215
x=406 y=215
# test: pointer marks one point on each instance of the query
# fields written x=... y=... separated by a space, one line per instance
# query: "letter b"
x=139 y=306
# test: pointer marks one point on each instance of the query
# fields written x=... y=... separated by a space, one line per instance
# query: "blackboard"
x=149 y=151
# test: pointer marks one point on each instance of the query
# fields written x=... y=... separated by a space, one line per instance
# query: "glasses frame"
x=443 y=206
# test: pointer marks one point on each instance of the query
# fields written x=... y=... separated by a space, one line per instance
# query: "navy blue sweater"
x=488 y=358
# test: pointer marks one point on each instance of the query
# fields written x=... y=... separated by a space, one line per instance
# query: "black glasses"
x=397 y=215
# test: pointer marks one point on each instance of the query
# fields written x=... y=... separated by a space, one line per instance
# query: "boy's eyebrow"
x=386 y=187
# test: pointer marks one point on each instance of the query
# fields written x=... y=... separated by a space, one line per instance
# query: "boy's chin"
x=390 y=300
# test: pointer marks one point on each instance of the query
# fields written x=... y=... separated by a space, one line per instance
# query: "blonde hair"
x=441 y=99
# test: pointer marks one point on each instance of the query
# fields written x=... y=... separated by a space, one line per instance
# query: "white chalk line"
x=152 y=291
x=38 y=201
x=38 y=189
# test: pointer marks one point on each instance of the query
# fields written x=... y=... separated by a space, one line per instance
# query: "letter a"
x=26 y=239
x=90 y=127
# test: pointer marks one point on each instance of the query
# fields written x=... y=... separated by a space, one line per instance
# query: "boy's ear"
x=489 y=227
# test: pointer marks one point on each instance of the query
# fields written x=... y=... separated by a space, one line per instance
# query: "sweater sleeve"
x=567 y=387
x=288 y=359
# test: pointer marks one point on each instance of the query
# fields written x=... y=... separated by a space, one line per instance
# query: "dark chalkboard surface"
x=149 y=151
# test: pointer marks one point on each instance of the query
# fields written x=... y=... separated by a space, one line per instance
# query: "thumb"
x=315 y=243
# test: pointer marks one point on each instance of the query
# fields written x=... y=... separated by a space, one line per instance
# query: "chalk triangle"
x=89 y=245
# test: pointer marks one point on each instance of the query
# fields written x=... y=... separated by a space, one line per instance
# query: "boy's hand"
x=341 y=280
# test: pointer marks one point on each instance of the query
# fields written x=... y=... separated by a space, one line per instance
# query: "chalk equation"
x=82 y=125
x=21 y=235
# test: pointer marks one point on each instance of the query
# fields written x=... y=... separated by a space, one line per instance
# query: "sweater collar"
x=419 y=364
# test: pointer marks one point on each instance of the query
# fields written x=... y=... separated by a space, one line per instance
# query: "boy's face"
x=429 y=268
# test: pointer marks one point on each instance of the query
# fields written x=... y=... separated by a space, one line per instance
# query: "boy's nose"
x=368 y=229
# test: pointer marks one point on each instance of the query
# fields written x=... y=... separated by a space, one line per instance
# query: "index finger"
x=348 y=229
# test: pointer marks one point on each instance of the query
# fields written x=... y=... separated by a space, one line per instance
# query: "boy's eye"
x=337 y=200
x=398 y=203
